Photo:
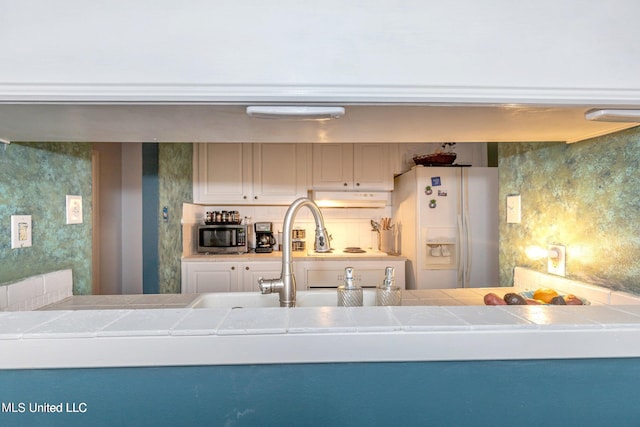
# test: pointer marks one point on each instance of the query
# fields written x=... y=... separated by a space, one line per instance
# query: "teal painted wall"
x=175 y=175
x=587 y=392
x=34 y=180
x=585 y=196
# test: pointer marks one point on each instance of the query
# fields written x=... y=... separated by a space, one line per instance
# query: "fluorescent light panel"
x=613 y=115
x=295 y=112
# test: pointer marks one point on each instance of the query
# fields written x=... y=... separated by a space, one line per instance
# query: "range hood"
x=351 y=199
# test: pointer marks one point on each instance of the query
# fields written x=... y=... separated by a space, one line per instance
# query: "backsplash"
x=37 y=291
x=583 y=196
x=35 y=179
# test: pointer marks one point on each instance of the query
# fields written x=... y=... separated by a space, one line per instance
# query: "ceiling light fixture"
x=295 y=112
x=613 y=115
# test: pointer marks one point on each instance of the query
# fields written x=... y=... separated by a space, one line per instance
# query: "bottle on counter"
x=387 y=293
x=349 y=294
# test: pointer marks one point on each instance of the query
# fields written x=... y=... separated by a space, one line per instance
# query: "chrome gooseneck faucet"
x=286 y=284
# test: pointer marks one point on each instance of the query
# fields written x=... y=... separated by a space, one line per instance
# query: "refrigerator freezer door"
x=481 y=207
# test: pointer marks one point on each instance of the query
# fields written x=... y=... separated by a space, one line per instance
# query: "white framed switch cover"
x=514 y=209
x=74 y=209
x=20 y=231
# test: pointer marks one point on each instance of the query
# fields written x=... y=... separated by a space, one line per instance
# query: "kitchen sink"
x=324 y=298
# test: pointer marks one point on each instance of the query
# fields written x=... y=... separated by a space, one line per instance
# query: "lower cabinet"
x=251 y=272
x=204 y=277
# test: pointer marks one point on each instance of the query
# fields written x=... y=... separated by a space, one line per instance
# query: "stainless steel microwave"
x=222 y=239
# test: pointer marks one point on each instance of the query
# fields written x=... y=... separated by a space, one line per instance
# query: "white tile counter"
x=220 y=336
x=296 y=255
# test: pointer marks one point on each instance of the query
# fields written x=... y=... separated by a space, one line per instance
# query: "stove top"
x=348 y=252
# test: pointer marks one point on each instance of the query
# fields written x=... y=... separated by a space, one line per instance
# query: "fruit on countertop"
x=545 y=295
x=493 y=299
x=573 y=300
x=557 y=301
x=514 y=299
x=523 y=298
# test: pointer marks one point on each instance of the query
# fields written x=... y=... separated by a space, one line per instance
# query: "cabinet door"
x=223 y=173
x=202 y=277
x=371 y=167
x=332 y=166
x=252 y=271
x=279 y=173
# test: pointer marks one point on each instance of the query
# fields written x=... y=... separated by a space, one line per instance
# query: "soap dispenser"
x=387 y=293
x=349 y=294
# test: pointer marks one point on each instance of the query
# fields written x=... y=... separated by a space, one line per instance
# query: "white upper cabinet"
x=222 y=173
x=372 y=167
x=468 y=51
x=332 y=166
x=356 y=167
x=250 y=173
x=280 y=172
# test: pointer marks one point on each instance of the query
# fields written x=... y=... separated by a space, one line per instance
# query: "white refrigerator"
x=447 y=226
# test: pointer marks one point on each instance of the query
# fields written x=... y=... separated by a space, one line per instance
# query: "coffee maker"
x=264 y=237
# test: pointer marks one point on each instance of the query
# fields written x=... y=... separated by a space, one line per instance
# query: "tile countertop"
x=182 y=336
x=277 y=255
x=423 y=297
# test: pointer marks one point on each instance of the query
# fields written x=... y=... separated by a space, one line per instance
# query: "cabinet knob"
x=357 y=184
x=233 y=268
x=244 y=197
x=345 y=184
x=255 y=197
x=247 y=267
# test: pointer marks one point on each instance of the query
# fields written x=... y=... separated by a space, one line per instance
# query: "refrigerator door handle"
x=460 y=253
x=467 y=247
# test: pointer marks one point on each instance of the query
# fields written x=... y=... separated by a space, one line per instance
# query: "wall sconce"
x=555 y=254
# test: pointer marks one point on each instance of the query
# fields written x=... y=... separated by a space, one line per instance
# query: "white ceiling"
x=229 y=123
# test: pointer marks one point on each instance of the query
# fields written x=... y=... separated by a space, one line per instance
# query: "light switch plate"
x=20 y=231
x=74 y=209
x=557 y=265
x=514 y=210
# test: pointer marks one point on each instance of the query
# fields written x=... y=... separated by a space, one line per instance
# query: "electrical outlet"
x=556 y=260
x=20 y=231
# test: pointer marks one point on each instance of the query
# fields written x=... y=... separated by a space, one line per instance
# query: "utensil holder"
x=387 y=241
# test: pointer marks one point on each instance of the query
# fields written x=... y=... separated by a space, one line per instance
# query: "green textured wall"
x=584 y=196
x=175 y=174
x=34 y=180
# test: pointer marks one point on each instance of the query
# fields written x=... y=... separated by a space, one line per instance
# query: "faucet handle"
x=268 y=286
